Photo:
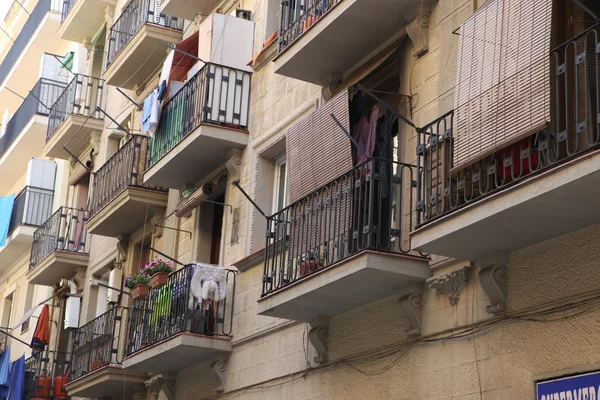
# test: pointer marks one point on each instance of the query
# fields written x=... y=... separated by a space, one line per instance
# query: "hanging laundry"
x=6 y=206
x=166 y=73
x=41 y=336
x=4 y=372
x=147 y=111
x=155 y=111
x=16 y=379
x=208 y=283
x=163 y=303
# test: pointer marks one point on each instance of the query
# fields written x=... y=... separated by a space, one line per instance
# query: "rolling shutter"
x=503 y=77
x=317 y=150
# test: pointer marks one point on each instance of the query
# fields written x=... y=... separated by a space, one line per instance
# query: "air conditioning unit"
x=243 y=14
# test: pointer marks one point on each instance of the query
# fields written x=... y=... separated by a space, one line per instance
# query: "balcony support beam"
x=492 y=278
x=418 y=32
x=410 y=306
x=318 y=336
x=217 y=370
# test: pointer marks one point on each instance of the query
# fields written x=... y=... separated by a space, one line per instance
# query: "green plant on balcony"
x=138 y=284
x=158 y=270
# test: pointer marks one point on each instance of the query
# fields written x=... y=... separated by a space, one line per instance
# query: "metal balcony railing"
x=132 y=18
x=46 y=376
x=31 y=25
x=32 y=206
x=367 y=208
x=166 y=313
x=40 y=99
x=299 y=15
x=67 y=5
x=95 y=344
x=63 y=231
x=82 y=96
x=574 y=129
x=215 y=95
x=123 y=170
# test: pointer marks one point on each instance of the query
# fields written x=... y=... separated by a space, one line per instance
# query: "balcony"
x=165 y=336
x=314 y=34
x=81 y=19
x=343 y=246
x=23 y=137
x=199 y=125
x=536 y=189
x=188 y=9
x=133 y=50
x=95 y=370
x=19 y=69
x=31 y=207
x=45 y=376
x=74 y=117
x=121 y=202
x=59 y=245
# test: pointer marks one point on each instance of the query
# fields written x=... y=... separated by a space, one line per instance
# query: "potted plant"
x=138 y=284
x=311 y=262
x=159 y=271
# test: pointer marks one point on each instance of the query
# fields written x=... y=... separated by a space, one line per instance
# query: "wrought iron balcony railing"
x=166 y=313
x=297 y=16
x=63 y=231
x=67 y=5
x=123 y=170
x=46 y=376
x=40 y=99
x=132 y=18
x=215 y=95
x=81 y=97
x=95 y=344
x=367 y=208
x=574 y=129
x=19 y=45
x=32 y=206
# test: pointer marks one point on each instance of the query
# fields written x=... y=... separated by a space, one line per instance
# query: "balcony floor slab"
x=58 y=265
x=110 y=381
x=74 y=133
x=127 y=212
x=195 y=156
x=178 y=352
x=557 y=202
x=362 y=279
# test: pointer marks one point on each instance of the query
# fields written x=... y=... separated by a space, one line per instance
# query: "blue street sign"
x=579 y=387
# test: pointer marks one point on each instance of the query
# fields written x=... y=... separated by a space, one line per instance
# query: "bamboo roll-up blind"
x=317 y=150
x=503 y=77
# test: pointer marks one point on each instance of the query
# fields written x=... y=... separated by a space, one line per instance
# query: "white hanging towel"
x=208 y=283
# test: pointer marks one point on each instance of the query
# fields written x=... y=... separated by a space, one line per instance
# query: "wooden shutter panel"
x=503 y=77
x=317 y=151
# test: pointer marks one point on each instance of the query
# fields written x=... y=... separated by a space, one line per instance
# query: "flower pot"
x=159 y=280
x=309 y=266
x=140 y=292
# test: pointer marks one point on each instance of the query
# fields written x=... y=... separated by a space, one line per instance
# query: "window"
x=280 y=185
x=7 y=311
x=271 y=17
x=28 y=305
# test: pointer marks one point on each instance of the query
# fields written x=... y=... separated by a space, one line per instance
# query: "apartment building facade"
x=359 y=199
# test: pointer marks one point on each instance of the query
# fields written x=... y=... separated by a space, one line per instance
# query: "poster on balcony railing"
x=6 y=206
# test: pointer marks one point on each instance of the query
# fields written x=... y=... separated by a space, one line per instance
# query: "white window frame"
x=279 y=162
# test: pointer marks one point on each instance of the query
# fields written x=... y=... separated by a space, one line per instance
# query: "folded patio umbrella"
x=41 y=336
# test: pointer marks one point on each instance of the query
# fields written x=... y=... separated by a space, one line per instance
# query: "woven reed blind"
x=503 y=77
x=317 y=150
